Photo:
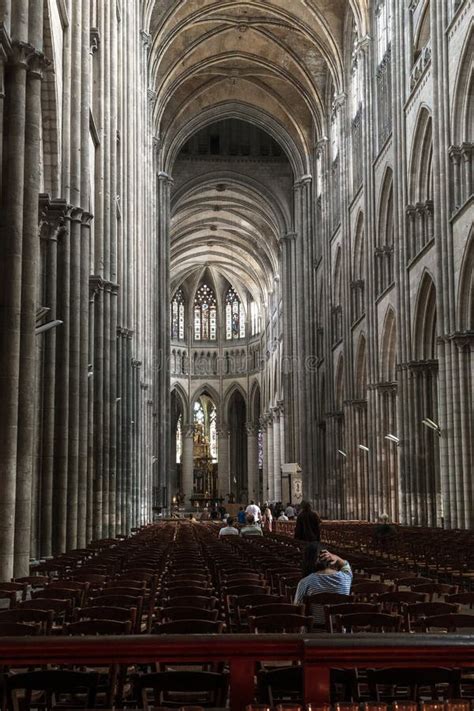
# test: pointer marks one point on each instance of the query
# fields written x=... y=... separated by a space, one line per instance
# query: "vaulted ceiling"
x=272 y=63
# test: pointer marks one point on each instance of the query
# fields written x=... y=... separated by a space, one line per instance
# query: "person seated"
x=229 y=529
x=241 y=515
x=192 y=518
x=290 y=511
x=322 y=572
x=283 y=517
x=205 y=515
x=251 y=528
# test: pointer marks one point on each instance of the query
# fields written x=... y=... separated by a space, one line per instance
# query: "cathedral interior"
x=236 y=259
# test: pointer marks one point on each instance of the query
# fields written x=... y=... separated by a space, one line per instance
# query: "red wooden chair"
x=42 y=618
x=189 y=626
x=372 y=622
x=416 y=612
x=18 y=629
x=453 y=622
x=104 y=612
x=97 y=627
x=282 y=623
x=77 y=686
x=331 y=611
x=170 y=614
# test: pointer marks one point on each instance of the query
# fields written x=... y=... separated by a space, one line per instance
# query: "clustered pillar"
x=78 y=416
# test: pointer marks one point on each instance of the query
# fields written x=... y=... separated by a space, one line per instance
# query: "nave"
x=172 y=593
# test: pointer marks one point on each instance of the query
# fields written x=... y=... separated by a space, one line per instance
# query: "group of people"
x=322 y=571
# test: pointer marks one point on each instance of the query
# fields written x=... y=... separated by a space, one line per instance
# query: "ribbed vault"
x=231 y=224
x=276 y=57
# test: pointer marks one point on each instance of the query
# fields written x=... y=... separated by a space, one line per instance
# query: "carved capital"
x=19 y=55
x=37 y=64
x=96 y=284
x=51 y=216
x=94 y=40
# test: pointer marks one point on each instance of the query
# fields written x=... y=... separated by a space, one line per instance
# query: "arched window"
x=356 y=80
x=179 y=439
x=254 y=318
x=383 y=27
x=177 y=316
x=205 y=314
x=234 y=316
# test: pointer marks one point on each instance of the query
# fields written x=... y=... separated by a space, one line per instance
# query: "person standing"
x=267 y=518
x=254 y=510
x=308 y=524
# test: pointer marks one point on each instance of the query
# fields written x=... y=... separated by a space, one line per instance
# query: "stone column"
x=263 y=427
x=268 y=494
x=29 y=300
x=276 y=454
x=11 y=242
x=187 y=464
x=252 y=461
x=52 y=226
x=223 y=463
x=162 y=347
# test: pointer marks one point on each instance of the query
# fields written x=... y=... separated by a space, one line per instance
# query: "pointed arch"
x=339 y=384
x=463 y=101
x=466 y=288
x=421 y=179
x=181 y=395
x=385 y=234
x=254 y=412
x=358 y=270
x=424 y=325
x=361 y=368
x=206 y=389
x=230 y=392
x=388 y=347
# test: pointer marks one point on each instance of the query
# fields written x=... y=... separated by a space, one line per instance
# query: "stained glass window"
x=234 y=316
x=198 y=413
x=205 y=314
x=213 y=433
x=179 y=439
x=260 y=449
x=356 y=82
x=177 y=316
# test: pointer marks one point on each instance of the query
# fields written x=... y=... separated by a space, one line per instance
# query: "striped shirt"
x=337 y=582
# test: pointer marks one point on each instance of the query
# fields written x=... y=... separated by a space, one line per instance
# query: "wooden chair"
x=41 y=618
x=330 y=611
x=415 y=612
x=18 y=629
x=116 y=600
x=409 y=582
x=394 y=602
x=453 y=622
x=75 y=596
x=178 y=688
x=189 y=626
x=16 y=587
x=314 y=606
x=368 y=622
x=241 y=603
x=465 y=598
x=276 y=608
x=171 y=591
x=104 y=612
x=34 y=581
x=207 y=603
x=279 y=686
x=61 y=609
x=97 y=627
x=438 y=589
x=369 y=591
x=388 y=685
x=283 y=623
x=20 y=687
x=169 y=614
